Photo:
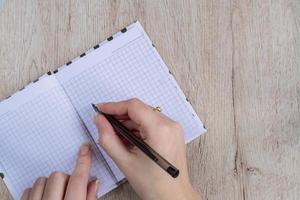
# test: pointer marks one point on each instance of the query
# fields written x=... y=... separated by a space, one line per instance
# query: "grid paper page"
x=133 y=69
x=41 y=136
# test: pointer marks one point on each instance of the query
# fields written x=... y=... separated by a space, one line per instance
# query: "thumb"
x=110 y=141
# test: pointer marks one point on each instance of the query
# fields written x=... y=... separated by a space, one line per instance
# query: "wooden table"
x=238 y=62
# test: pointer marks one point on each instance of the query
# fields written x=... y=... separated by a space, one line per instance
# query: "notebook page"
x=127 y=66
x=40 y=133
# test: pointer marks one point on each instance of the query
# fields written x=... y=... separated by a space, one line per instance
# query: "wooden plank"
x=237 y=61
x=266 y=97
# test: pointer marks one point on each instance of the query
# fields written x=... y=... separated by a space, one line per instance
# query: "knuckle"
x=40 y=180
x=165 y=128
x=57 y=176
x=78 y=178
x=82 y=162
x=134 y=102
x=176 y=126
x=171 y=127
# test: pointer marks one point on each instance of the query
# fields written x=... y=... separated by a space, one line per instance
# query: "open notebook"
x=43 y=125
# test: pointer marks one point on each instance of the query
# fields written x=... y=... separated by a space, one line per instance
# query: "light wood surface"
x=238 y=62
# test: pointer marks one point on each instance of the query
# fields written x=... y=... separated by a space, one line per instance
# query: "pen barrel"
x=138 y=142
x=163 y=163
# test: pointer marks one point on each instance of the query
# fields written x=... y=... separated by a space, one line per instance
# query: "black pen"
x=139 y=143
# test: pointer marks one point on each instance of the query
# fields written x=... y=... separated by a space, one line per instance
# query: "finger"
x=77 y=186
x=110 y=141
x=131 y=125
x=55 y=186
x=92 y=190
x=134 y=128
x=121 y=117
x=139 y=112
x=37 y=190
x=26 y=194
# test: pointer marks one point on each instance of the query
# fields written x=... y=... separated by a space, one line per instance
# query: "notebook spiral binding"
x=49 y=73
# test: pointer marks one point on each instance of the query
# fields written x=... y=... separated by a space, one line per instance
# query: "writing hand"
x=163 y=134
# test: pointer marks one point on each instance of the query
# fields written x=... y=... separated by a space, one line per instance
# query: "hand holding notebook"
x=159 y=132
x=135 y=139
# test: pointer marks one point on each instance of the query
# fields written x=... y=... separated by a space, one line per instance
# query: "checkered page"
x=43 y=125
x=127 y=66
x=40 y=133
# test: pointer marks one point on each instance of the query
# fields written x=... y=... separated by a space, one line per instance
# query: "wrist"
x=181 y=192
x=190 y=194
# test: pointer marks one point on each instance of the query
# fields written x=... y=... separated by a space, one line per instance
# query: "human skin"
x=161 y=133
x=147 y=179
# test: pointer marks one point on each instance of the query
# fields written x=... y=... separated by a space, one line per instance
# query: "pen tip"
x=94 y=107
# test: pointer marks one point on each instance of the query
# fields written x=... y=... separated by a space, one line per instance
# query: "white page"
x=40 y=133
x=127 y=67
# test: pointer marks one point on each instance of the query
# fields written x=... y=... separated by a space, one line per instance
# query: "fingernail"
x=84 y=149
x=97 y=185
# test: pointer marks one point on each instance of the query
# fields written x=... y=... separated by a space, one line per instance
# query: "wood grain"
x=238 y=62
